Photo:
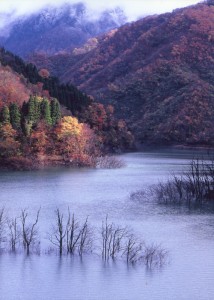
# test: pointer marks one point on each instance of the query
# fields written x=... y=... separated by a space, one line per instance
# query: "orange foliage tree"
x=9 y=146
x=75 y=141
x=11 y=87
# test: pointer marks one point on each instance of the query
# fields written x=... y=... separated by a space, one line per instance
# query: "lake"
x=187 y=235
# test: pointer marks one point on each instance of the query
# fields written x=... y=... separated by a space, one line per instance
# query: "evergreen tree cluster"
x=26 y=117
x=67 y=94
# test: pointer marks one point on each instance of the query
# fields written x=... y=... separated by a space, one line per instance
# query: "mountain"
x=57 y=29
x=157 y=72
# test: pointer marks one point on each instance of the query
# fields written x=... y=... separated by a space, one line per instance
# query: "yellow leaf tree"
x=75 y=140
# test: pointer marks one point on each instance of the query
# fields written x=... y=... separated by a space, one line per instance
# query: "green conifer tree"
x=15 y=116
x=34 y=109
x=31 y=110
x=37 y=104
x=46 y=111
x=5 y=115
x=55 y=111
x=27 y=127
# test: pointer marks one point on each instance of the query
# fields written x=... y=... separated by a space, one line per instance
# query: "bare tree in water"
x=73 y=233
x=29 y=231
x=14 y=233
x=2 y=227
x=154 y=255
x=85 y=240
x=132 y=250
x=194 y=186
x=57 y=237
x=112 y=239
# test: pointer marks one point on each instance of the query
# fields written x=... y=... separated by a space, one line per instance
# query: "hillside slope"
x=157 y=72
x=21 y=84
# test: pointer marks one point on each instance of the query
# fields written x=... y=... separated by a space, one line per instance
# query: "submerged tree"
x=79 y=238
x=85 y=241
x=2 y=227
x=132 y=249
x=194 y=186
x=154 y=256
x=57 y=237
x=112 y=239
x=73 y=233
x=14 y=233
x=29 y=231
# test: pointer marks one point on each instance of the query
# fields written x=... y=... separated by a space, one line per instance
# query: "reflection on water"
x=188 y=235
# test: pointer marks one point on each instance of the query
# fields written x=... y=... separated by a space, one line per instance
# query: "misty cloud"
x=133 y=8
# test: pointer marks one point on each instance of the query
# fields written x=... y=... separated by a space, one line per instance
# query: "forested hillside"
x=36 y=130
x=157 y=72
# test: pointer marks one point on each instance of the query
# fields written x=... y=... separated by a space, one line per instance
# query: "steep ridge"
x=157 y=72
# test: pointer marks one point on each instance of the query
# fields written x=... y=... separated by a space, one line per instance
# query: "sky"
x=133 y=8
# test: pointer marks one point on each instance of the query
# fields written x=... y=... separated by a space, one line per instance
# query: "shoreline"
x=148 y=146
x=36 y=164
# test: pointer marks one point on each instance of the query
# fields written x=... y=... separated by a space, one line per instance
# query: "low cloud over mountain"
x=58 y=29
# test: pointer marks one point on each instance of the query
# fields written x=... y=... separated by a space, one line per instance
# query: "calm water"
x=189 y=237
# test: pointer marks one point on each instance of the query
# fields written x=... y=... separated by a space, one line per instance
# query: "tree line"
x=70 y=236
x=26 y=117
x=193 y=187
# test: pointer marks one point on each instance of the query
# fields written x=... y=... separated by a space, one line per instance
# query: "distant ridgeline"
x=35 y=130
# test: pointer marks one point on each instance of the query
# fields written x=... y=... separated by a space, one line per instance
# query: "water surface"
x=188 y=235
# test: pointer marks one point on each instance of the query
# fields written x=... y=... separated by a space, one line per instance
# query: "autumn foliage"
x=35 y=134
x=41 y=141
x=12 y=87
x=78 y=140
